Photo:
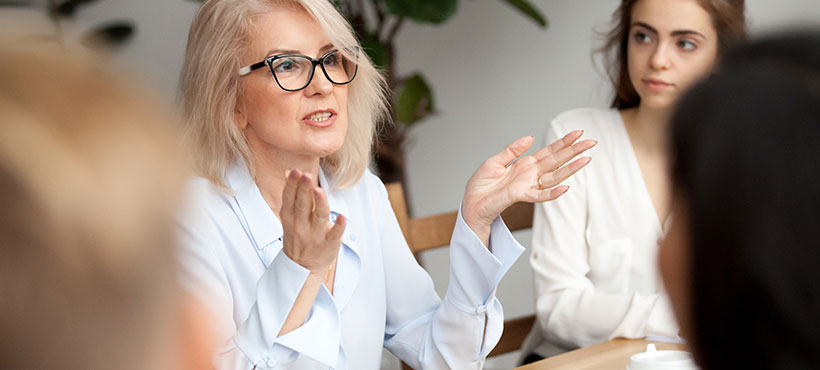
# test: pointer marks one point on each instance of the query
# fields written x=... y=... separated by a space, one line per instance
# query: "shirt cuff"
x=474 y=270
x=258 y=337
x=318 y=337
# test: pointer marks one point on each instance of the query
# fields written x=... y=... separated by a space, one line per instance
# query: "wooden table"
x=609 y=355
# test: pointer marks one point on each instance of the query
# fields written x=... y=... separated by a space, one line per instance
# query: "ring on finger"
x=540 y=186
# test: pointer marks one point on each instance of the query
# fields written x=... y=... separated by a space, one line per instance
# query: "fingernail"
x=565 y=187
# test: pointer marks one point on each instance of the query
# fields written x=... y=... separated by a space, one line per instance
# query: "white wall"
x=496 y=77
x=158 y=46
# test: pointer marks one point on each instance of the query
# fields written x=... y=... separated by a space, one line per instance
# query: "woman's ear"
x=239 y=116
x=197 y=336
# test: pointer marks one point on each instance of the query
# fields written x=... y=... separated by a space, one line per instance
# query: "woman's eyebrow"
x=687 y=33
x=673 y=33
x=644 y=25
x=290 y=51
x=282 y=51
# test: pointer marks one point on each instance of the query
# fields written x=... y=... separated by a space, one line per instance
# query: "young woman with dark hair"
x=594 y=250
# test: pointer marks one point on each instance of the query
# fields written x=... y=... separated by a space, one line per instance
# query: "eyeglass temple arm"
x=245 y=70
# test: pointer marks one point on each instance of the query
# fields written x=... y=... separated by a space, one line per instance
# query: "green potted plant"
x=412 y=99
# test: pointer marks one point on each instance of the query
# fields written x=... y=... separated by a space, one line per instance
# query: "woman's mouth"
x=656 y=85
x=320 y=118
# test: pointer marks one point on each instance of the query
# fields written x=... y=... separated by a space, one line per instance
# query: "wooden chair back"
x=425 y=233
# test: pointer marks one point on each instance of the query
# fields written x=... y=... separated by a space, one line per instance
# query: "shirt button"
x=273 y=243
x=270 y=363
x=353 y=237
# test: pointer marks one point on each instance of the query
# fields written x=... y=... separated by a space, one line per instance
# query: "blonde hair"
x=210 y=86
x=90 y=182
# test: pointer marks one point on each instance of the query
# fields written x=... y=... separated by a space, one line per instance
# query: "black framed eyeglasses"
x=293 y=72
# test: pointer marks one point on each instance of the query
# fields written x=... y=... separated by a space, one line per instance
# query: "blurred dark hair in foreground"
x=746 y=149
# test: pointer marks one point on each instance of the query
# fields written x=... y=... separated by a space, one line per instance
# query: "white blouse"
x=595 y=248
x=232 y=260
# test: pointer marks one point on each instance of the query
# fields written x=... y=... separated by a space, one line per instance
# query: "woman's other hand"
x=502 y=180
x=310 y=239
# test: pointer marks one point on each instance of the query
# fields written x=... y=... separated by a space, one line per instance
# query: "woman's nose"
x=319 y=85
x=660 y=57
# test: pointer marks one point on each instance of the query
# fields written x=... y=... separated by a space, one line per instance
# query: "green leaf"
x=375 y=50
x=109 y=35
x=530 y=11
x=415 y=100
x=67 y=8
x=18 y=3
x=424 y=11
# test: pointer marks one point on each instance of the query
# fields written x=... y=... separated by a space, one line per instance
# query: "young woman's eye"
x=687 y=45
x=642 y=38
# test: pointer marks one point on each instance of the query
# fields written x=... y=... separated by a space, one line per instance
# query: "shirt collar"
x=338 y=206
x=260 y=221
x=335 y=201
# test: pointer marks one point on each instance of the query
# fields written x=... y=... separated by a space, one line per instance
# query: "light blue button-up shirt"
x=233 y=261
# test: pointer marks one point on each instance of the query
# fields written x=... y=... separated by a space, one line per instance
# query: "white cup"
x=653 y=359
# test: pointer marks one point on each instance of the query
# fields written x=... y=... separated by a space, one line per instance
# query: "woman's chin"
x=658 y=102
x=327 y=150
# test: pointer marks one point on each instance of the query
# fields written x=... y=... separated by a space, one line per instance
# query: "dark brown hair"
x=728 y=18
x=753 y=221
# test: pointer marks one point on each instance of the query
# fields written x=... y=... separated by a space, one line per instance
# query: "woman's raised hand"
x=502 y=180
x=310 y=239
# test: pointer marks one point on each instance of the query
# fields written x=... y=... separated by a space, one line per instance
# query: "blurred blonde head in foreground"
x=90 y=182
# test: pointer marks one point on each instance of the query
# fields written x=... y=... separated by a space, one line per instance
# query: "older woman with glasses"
x=291 y=240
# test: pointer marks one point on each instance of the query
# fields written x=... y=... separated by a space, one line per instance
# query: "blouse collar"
x=260 y=221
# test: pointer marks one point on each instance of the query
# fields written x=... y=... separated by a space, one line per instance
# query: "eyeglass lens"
x=294 y=72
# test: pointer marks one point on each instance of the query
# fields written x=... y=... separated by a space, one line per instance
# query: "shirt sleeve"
x=254 y=342
x=570 y=311
x=458 y=332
